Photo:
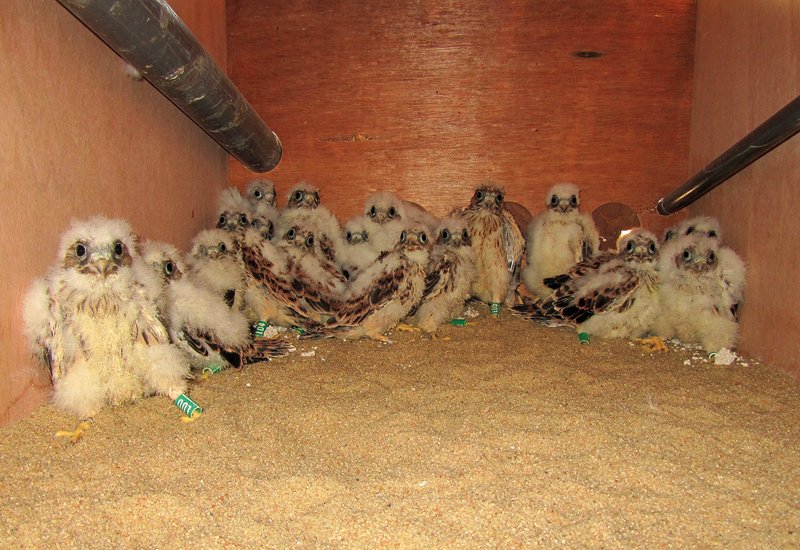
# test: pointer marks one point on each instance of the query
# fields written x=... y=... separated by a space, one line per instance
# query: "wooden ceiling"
x=430 y=98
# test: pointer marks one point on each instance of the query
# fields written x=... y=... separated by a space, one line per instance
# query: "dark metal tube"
x=150 y=36
x=777 y=129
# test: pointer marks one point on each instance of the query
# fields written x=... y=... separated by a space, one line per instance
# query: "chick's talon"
x=653 y=344
x=195 y=415
x=408 y=328
x=76 y=434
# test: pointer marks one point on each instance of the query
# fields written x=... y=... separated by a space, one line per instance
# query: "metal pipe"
x=774 y=131
x=152 y=38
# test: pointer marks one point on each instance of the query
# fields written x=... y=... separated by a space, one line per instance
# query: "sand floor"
x=508 y=434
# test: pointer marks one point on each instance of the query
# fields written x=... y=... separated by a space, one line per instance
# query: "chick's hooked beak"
x=103 y=263
x=644 y=252
x=416 y=241
x=563 y=206
x=380 y=216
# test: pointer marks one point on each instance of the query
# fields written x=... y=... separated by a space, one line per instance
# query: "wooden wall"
x=748 y=67
x=428 y=98
x=78 y=138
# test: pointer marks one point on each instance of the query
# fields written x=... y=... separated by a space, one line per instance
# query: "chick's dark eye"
x=221 y=221
x=392 y=212
x=242 y=220
x=712 y=234
x=258 y=194
x=573 y=200
x=711 y=258
x=445 y=234
x=222 y=247
x=349 y=236
x=652 y=248
x=479 y=196
x=291 y=234
x=465 y=234
x=423 y=238
x=690 y=230
x=499 y=198
x=629 y=246
x=373 y=212
x=687 y=255
x=118 y=249
x=310 y=240
x=553 y=200
x=80 y=251
x=298 y=195
x=169 y=268
x=402 y=236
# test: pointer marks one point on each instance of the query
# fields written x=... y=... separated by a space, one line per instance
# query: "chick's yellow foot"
x=653 y=343
x=408 y=328
x=76 y=434
x=195 y=415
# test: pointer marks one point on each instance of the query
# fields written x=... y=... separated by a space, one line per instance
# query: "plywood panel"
x=430 y=98
x=748 y=67
x=78 y=138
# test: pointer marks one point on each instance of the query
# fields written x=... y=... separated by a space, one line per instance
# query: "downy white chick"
x=260 y=191
x=215 y=263
x=732 y=268
x=357 y=253
x=558 y=238
x=93 y=322
x=303 y=209
x=384 y=293
x=232 y=211
x=450 y=274
x=384 y=220
x=610 y=296
x=286 y=283
x=693 y=306
x=199 y=321
x=264 y=219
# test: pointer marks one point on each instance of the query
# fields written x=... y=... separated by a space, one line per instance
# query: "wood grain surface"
x=430 y=98
x=747 y=69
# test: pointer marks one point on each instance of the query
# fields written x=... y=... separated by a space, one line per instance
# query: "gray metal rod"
x=774 y=131
x=150 y=36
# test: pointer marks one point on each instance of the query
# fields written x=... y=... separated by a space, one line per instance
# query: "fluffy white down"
x=116 y=368
x=562 y=190
x=163 y=369
x=36 y=316
x=355 y=257
x=98 y=229
x=218 y=276
x=555 y=240
x=693 y=305
x=733 y=277
x=554 y=246
x=636 y=321
x=192 y=305
x=449 y=303
x=231 y=200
